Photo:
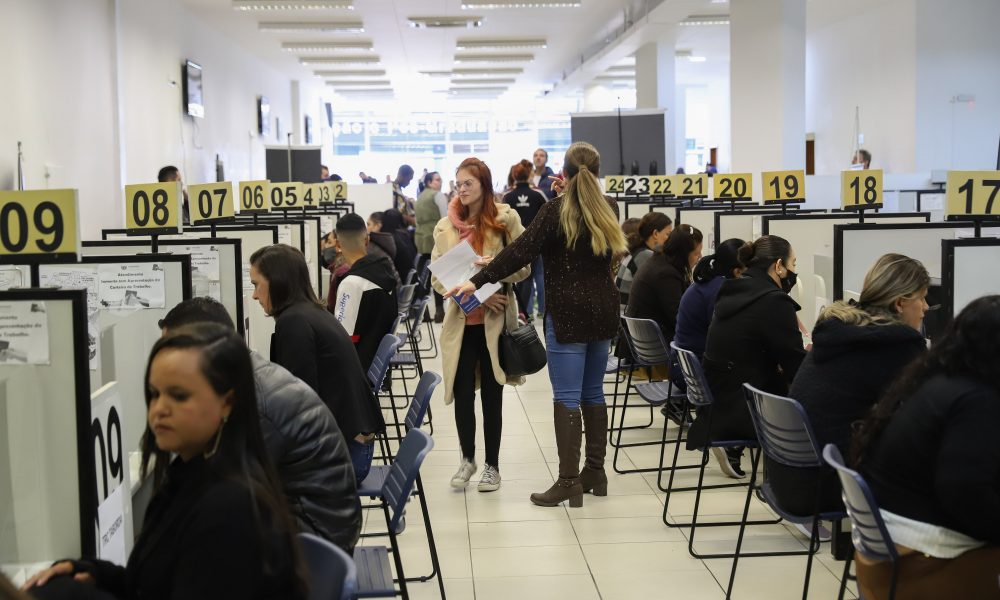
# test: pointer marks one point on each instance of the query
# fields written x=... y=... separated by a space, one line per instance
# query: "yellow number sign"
x=39 y=223
x=730 y=187
x=661 y=185
x=861 y=190
x=691 y=186
x=153 y=208
x=312 y=193
x=973 y=193
x=784 y=186
x=286 y=195
x=211 y=202
x=326 y=192
x=339 y=191
x=614 y=184
x=253 y=196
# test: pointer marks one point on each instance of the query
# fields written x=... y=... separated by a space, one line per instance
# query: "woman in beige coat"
x=469 y=342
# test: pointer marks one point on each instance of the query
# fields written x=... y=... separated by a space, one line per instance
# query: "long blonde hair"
x=584 y=202
x=893 y=276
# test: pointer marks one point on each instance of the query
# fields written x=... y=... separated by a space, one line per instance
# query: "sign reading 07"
x=153 y=208
x=211 y=202
x=973 y=193
x=39 y=224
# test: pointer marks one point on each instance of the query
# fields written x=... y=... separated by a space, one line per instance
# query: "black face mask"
x=788 y=281
x=329 y=255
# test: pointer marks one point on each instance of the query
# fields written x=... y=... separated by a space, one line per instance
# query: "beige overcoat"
x=446 y=237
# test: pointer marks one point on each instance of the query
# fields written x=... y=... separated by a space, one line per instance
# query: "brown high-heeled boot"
x=595 y=426
x=568 y=426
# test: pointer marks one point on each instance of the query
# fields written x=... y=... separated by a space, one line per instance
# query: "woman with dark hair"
x=527 y=201
x=754 y=338
x=217 y=526
x=406 y=251
x=470 y=342
x=661 y=281
x=310 y=342
x=653 y=230
x=930 y=452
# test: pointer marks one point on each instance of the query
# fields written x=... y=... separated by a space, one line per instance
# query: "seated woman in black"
x=858 y=349
x=754 y=338
x=931 y=454
x=217 y=526
x=661 y=280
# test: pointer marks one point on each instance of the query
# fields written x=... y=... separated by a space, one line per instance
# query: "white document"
x=136 y=286
x=24 y=333
x=457 y=266
x=204 y=261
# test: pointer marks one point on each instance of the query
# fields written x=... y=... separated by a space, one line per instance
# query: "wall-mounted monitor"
x=193 y=101
x=263 y=115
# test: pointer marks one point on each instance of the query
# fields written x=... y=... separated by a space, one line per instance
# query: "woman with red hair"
x=470 y=342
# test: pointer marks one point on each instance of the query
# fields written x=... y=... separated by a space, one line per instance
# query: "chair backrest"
x=403 y=473
x=698 y=392
x=410 y=276
x=417 y=312
x=783 y=429
x=332 y=573
x=868 y=531
x=421 y=399
x=646 y=342
x=405 y=298
x=387 y=348
x=423 y=279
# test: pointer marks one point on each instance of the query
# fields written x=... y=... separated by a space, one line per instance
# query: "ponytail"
x=584 y=203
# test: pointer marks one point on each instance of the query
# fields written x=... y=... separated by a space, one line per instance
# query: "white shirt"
x=932 y=540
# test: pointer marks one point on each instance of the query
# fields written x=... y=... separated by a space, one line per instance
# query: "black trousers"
x=438 y=298
x=472 y=355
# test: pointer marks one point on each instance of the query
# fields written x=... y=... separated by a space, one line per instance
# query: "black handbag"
x=521 y=352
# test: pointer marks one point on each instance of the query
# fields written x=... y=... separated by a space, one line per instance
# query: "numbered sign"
x=339 y=191
x=311 y=195
x=691 y=186
x=973 y=193
x=153 y=208
x=614 y=184
x=211 y=202
x=733 y=187
x=861 y=190
x=254 y=196
x=784 y=186
x=661 y=185
x=286 y=195
x=327 y=192
x=639 y=185
x=39 y=226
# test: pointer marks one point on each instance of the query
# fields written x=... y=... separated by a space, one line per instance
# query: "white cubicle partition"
x=372 y=197
x=970 y=268
x=701 y=218
x=811 y=235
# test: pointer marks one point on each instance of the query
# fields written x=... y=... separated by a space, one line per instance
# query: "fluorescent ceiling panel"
x=483 y=81
x=311 y=26
x=445 y=22
x=293 y=5
x=501 y=44
x=700 y=20
x=487 y=71
x=494 y=58
x=501 y=4
x=327 y=46
x=340 y=60
x=360 y=83
x=350 y=73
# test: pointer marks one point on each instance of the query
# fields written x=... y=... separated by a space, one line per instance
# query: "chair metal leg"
x=435 y=563
x=394 y=544
x=845 y=577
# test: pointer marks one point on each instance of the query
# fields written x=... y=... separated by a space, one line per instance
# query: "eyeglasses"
x=462 y=185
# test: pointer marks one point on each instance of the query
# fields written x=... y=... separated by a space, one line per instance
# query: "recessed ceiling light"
x=483 y=81
x=487 y=71
x=360 y=83
x=350 y=73
x=500 y=44
x=493 y=4
x=366 y=93
x=445 y=22
x=436 y=73
x=699 y=20
x=326 y=46
x=478 y=90
x=324 y=26
x=614 y=78
x=293 y=4
x=494 y=58
x=364 y=59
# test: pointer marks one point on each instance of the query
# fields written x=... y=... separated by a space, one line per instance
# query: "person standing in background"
x=172 y=173
x=862 y=157
x=431 y=206
x=401 y=201
x=541 y=173
x=527 y=202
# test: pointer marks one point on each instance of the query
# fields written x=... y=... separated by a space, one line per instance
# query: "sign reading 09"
x=784 y=186
x=39 y=223
x=973 y=193
x=253 y=196
x=211 y=202
x=860 y=190
x=152 y=208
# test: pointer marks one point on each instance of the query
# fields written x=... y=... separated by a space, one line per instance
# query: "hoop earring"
x=218 y=438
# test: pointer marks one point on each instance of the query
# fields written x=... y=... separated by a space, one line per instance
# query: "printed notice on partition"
x=79 y=278
x=204 y=270
x=24 y=333
x=131 y=286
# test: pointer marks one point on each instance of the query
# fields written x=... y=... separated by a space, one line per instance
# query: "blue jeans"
x=361 y=458
x=576 y=371
x=538 y=279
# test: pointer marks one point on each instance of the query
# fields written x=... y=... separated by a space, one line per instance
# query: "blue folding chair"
x=374 y=569
x=381 y=363
x=332 y=573
x=868 y=531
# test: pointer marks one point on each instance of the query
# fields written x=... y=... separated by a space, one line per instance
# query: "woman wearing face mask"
x=334 y=263
x=653 y=230
x=754 y=338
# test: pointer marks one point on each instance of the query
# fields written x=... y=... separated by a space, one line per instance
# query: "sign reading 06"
x=614 y=184
x=861 y=190
x=39 y=223
x=973 y=193
x=211 y=202
x=691 y=186
x=253 y=196
x=286 y=195
x=784 y=186
x=153 y=208
x=729 y=187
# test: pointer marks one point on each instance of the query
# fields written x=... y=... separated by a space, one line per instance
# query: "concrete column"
x=655 y=88
x=596 y=98
x=767 y=85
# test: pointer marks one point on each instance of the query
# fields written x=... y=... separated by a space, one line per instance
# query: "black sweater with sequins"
x=580 y=293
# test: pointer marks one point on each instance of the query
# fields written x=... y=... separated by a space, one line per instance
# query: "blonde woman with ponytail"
x=577 y=235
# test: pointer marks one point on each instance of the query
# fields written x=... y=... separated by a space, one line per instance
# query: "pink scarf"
x=464 y=229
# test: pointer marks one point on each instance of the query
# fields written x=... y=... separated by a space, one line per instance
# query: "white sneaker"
x=806 y=530
x=465 y=472
x=491 y=479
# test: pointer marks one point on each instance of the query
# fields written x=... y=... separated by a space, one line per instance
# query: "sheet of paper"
x=24 y=333
x=132 y=286
x=457 y=266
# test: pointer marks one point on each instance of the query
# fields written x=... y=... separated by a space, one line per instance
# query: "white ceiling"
x=404 y=51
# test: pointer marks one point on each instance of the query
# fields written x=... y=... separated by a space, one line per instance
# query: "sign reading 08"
x=784 y=186
x=39 y=223
x=211 y=202
x=861 y=190
x=253 y=196
x=153 y=208
x=973 y=193
x=731 y=187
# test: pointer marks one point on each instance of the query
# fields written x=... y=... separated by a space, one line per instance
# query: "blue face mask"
x=329 y=255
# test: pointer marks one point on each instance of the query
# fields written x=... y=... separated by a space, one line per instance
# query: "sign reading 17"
x=973 y=193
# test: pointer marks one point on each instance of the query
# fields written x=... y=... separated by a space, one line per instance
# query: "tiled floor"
x=500 y=546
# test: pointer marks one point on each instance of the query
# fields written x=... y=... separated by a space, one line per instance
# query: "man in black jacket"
x=302 y=438
x=366 y=298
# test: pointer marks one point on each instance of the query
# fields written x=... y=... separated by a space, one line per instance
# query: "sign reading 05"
x=973 y=193
x=861 y=190
x=253 y=196
x=211 y=202
x=286 y=195
x=733 y=187
x=37 y=224
x=784 y=186
x=153 y=208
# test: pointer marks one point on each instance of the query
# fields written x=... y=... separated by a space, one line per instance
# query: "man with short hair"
x=366 y=297
x=172 y=173
x=324 y=173
x=400 y=201
x=862 y=157
x=541 y=173
x=302 y=438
